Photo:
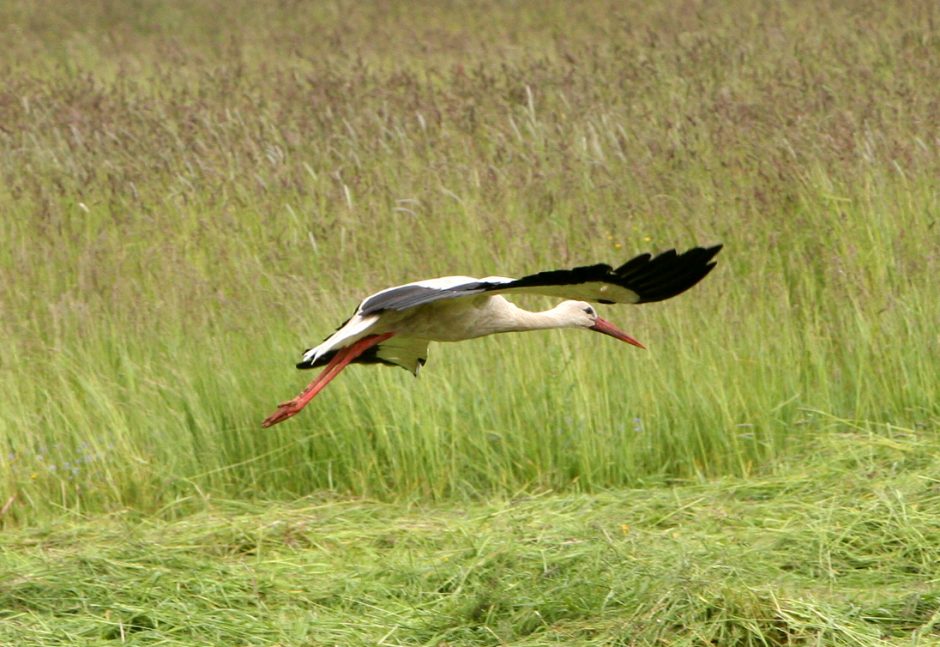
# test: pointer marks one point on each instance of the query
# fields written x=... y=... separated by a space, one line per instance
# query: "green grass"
x=191 y=194
x=186 y=209
x=836 y=552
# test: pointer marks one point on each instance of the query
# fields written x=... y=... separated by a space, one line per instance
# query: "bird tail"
x=311 y=359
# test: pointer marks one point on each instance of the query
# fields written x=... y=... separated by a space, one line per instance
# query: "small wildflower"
x=625 y=528
x=647 y=239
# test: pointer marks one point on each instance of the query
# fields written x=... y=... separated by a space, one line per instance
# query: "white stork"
x=396 y=325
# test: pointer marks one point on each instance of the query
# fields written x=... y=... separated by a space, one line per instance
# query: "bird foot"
x=284 y=411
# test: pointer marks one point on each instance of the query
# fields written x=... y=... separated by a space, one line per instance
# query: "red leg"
x=342 y=358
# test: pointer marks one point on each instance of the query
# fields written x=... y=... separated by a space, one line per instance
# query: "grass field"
x=834 y=551
x=193 y=193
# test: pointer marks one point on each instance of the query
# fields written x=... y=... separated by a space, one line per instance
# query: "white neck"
x=508 y=317
x=494 y=315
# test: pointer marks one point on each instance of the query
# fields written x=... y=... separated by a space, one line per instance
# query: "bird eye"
x=589 y=310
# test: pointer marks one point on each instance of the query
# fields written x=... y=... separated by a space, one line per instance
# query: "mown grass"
x=836 y=552
x=192 y=195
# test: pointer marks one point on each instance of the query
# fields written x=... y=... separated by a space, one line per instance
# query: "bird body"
x=395 y=326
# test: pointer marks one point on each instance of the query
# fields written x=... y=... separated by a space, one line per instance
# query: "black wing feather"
x=576 y=275
x=409 y=296
x=651 y=278
x=666 y=275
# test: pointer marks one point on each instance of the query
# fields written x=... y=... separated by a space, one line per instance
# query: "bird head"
x=582 y=314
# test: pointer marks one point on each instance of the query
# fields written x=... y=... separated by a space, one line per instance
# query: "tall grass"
x=192 y=195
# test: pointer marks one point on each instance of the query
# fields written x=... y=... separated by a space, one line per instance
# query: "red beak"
x=600 y=325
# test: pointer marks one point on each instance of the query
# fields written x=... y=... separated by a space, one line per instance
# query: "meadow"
x=193 y=193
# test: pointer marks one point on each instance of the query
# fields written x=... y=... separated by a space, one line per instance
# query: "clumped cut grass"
x=193 y=194
x=833 y=553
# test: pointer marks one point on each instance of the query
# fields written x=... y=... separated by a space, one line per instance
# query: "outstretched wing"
x=408 y=352
x=642 y=279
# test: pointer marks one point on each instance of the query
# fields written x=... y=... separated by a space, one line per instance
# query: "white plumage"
x=395 y=326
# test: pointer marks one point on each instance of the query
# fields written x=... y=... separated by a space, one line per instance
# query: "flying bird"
x=395 y=326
